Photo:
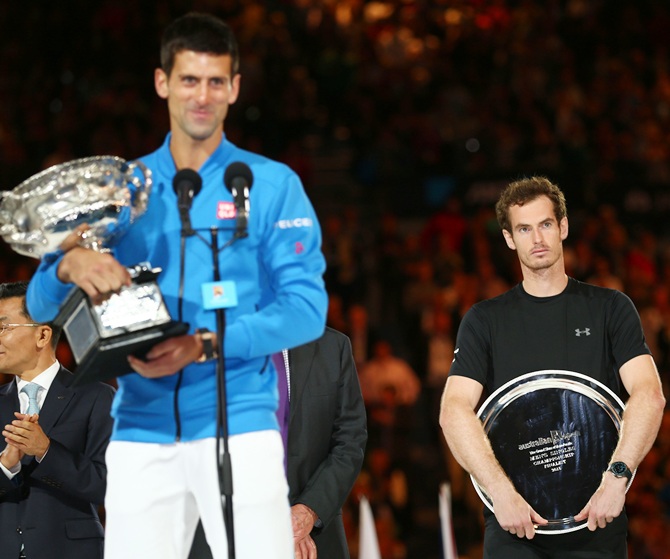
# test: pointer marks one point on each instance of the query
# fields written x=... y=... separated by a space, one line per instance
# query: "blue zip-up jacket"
x=277 y=271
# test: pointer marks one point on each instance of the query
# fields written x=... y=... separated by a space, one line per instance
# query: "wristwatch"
x=208 y=339
x=620 y=469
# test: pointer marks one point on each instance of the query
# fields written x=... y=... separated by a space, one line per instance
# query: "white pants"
x=157 y=492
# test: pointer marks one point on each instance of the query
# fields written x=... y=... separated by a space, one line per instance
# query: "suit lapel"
x=9 y=403
x=58 y=398
x=301 y=361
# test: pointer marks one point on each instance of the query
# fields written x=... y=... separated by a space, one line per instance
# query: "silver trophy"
x=103 y=195
x=553 y=433
x=91 y=202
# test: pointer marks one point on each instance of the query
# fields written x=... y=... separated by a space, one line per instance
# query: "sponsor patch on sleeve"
x=294 y=223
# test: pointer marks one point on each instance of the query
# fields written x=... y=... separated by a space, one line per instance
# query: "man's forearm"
x=641 y=422
x=644 y=411
x=470 y=446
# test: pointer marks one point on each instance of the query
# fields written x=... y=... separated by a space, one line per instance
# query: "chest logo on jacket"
x=226 y=210
x=585 y=332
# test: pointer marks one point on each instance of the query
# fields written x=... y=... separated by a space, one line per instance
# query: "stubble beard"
x=540 y=264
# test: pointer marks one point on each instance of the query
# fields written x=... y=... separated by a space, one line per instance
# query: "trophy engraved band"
x=98 y=198
x=553 y=433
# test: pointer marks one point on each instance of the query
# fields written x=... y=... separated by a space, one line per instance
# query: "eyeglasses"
x=5 y=326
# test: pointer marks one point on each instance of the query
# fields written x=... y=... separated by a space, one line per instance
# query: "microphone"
x=186 y=183
x=238 y=179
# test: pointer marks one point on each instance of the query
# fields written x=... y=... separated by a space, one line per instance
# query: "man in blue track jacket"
x=162 y=458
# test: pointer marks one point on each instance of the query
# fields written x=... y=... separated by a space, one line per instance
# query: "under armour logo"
x=586 y=332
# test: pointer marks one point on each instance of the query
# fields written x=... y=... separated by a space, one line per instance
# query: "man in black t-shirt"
x=542 y=324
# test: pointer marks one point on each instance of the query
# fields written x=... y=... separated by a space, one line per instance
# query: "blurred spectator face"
x=388 y=397
x=382 y=349
x=379 y=461
x=424 y=271
x=335 y=317
x=198 y=91
x=441 y=321
x=358 y=317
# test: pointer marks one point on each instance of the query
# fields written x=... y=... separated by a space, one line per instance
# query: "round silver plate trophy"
x=553 y=432
x=93 y=200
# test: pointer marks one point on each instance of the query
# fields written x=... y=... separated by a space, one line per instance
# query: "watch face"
x=619 y=468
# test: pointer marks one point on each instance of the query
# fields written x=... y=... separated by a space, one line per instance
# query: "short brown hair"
x=526 y=190
x=200 y=33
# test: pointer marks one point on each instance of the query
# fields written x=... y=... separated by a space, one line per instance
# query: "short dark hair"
x=200 y=33
x=14 y=289
x=526 y=190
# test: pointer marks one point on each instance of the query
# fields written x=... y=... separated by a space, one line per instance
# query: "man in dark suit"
x=326 y=442
x=327 y=432
x=52 y=468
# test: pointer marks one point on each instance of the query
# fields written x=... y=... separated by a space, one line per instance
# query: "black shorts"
x=605 y=543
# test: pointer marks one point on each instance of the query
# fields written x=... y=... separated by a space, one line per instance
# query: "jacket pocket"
x=84 y=528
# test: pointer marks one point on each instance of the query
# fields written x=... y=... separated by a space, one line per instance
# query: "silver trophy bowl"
x=103 y=193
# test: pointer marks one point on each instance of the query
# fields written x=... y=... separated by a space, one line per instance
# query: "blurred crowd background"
x=404 y=119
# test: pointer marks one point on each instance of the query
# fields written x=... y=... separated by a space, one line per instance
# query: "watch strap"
x=207 y=338
x=620 y=469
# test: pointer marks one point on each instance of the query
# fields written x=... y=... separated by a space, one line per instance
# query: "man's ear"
x=508 y=239
x=161 y=83
x=234 y=89
x=44 y=335
x=564 y=228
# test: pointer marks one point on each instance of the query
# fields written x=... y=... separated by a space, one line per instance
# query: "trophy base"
x=109 y=359
x=130 y=322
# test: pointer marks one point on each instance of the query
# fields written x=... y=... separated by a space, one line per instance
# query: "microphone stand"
x=222 y=451
x=223 y=460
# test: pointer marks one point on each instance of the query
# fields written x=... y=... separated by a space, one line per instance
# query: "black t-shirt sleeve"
x=473 y=347
x=625 y=330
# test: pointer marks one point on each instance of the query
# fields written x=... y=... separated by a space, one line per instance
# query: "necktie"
x=283 y=409
x=31 y=390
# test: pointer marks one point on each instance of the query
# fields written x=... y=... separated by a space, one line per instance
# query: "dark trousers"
x=605 y=543
x=200 y=548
